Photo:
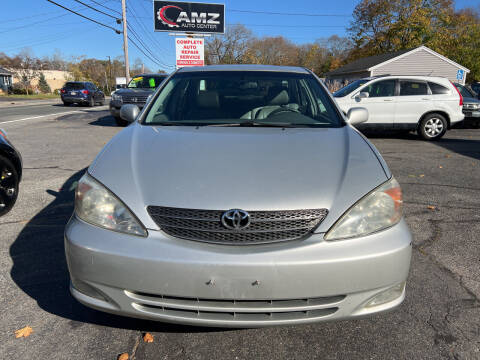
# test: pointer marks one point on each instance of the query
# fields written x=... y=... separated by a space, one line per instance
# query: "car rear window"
x=74 y=86
x=409 y=88
x=438 y=89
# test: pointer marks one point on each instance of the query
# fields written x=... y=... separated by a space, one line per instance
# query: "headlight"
x=98 y=206
x=378 y=210
x=116 y=97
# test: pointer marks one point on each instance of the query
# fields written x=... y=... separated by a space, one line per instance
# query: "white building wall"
x=420 y=63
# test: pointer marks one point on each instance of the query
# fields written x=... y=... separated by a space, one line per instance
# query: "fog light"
x=86 y=289
x=386 y=296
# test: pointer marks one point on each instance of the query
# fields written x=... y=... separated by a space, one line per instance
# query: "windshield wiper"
x=266 y=124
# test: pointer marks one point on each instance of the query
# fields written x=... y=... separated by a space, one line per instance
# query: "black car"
x=471 y=106
x=10 y=174
x=137 y=93
x=81 y=92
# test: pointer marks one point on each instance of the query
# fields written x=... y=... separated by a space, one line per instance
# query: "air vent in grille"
x=265 y=226
x=134 y=99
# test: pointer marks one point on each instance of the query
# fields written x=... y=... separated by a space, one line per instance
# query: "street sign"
x=190 y=52
x=460 y=73
x=174 y=16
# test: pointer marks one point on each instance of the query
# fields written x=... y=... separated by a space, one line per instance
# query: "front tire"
x=91 y=102
x=432 y=127
x=8 y=185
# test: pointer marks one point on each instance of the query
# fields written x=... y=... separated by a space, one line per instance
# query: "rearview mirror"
x=357 y=115
x=129 y=112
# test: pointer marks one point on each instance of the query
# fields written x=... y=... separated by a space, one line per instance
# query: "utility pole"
x=143 y=68
x=125 y=41
x=109 y=69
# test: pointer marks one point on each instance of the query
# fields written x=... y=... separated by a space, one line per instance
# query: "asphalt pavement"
x=440 y=318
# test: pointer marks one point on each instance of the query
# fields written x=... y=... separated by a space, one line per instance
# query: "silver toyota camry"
x=239 y=196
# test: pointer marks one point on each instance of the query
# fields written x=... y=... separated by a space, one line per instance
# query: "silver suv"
x=240 y=196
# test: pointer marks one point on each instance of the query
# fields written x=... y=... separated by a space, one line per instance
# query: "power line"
x=290 y=26
x=285 y=13
x=85 y=17
x=106 y=7
x=143 y=52
x=100 y=11
x=137 y=37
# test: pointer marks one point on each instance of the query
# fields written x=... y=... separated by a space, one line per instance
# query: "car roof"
x=272 y=68
x=152 y=74
x=413 y=77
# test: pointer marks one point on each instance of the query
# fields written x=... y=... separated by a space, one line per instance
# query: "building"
x=5 y=80
x=55 y=78
x=418 y=61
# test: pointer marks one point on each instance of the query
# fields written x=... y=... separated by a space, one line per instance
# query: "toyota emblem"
x=235 y=219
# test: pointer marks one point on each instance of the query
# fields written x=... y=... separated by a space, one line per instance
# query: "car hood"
x=470 y=100
x=251 y=168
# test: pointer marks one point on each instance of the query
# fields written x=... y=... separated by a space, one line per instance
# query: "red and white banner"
x=190 y=52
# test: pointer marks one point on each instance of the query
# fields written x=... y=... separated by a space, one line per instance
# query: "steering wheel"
x=282 y=109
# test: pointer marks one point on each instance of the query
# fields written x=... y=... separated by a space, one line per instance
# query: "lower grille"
x=265 y=226
x=236 y=310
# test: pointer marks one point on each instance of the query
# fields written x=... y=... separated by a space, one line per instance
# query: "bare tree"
x=229 y=48
x=28 y=68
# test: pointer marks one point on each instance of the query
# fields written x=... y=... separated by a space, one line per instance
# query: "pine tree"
x=43 y=85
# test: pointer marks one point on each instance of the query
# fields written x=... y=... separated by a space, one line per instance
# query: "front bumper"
x=471 y=113
x=187 y=282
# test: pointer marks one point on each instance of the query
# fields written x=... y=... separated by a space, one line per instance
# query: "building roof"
x=5 y=71
x=364 y=64
x=274 y=68
x=371 y=62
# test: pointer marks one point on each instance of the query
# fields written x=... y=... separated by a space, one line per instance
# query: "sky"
x=45 y=28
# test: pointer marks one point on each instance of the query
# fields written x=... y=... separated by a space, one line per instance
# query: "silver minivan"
x=240 y=196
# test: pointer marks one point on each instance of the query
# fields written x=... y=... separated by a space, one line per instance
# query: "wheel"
x=120 y=121
x=102 y=102
x=91 y=102
x=432 y=127
x=8 y=185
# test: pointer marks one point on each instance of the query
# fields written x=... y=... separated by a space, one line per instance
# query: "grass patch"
x=30 y=97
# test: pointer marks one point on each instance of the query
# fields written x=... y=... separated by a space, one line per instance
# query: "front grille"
x=134 y=99
x=236 y=310
x=470 y=106
x=265 y=226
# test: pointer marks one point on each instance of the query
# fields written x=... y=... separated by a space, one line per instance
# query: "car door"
x=414 y=99
x=380 y=103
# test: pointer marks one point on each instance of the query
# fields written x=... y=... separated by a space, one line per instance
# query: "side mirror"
x=129 y=112
x=362 y=95
x=357 y=115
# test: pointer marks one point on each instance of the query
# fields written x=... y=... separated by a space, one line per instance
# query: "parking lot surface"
x=440 y=317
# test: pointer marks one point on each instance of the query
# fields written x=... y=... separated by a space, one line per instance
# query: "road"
x=440 y=318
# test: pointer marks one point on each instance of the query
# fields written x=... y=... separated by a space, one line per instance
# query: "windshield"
x=145 y=82
x=464 y=91
x=350 y=87
x=248 y=98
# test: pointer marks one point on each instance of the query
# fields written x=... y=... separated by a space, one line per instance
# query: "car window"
x=409 y=88
x=350 y=87
x=464 y=91
x=234 y=97
x=74 y=86
x=438 y=89
x=380 y=88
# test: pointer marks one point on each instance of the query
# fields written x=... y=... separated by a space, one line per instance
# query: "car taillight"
x=85 y=92
x=461 y=97
x=62 y=91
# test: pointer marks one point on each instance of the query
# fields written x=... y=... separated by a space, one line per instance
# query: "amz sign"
x=189 y=17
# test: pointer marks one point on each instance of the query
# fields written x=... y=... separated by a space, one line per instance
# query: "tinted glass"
x=409 y=88
x=349 y=88
x=381 y=88
x=74 y=86
x=146 y=82
x=236 y=97
x=438 y=89
x=464 y=91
